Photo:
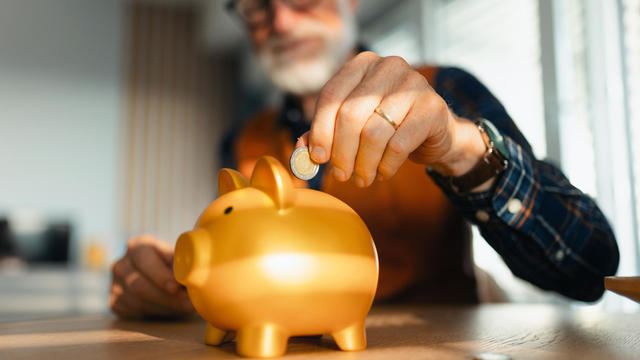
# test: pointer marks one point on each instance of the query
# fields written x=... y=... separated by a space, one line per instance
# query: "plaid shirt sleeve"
x=546 y=230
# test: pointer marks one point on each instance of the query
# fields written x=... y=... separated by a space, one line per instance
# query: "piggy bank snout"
x=192 y=257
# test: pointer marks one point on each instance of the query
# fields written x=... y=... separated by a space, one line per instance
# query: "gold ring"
x=386 y=117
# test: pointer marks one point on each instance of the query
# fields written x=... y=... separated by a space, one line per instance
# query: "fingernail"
x=171 y=287
x=187 y=306
x=318 y=153
x=359 y=181
x=338 y=174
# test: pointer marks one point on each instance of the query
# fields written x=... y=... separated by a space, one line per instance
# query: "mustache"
x=301 y=33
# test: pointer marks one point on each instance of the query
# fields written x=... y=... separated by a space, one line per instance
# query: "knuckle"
x=437 y=104
x=397 y=147
x=328 y=94
x=396 y=62
x=348 y=114
x=373 y=134
x=366 y=55
x=339 y=160
x=415 y=79
x=133 y=243
x=116 y=290
x=140 y=240
x=386 y=170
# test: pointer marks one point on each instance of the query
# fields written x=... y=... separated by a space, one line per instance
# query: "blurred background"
x=113 y=113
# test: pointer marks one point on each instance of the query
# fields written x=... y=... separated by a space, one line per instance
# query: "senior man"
x=415 y=151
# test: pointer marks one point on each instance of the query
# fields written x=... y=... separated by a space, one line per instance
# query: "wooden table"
x=432 y=332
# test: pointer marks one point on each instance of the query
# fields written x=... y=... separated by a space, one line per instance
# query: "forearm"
x=546 y=230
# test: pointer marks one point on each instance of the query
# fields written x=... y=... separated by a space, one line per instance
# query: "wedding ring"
x=386 y=117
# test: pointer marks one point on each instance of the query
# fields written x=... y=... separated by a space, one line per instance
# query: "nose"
x=284 y=17
x=192 y=257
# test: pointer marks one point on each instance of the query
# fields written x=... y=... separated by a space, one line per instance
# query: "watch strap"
x=492 y=163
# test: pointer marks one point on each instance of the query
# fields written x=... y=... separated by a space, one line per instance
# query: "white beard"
x=307 y=76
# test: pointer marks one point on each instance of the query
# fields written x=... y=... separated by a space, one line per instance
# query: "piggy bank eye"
x=228 y=210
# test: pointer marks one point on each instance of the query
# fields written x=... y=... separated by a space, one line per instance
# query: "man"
x=414 y=152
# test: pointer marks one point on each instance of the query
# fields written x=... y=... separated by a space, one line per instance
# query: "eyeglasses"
x=258 y=13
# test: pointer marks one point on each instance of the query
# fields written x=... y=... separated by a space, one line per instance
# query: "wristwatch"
x=494 y=161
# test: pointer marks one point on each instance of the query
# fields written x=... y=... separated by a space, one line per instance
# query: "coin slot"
x=228 y=210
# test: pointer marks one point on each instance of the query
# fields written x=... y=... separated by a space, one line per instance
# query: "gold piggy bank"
x=270 y=261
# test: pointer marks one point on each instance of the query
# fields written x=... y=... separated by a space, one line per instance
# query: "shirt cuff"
x=510 y=200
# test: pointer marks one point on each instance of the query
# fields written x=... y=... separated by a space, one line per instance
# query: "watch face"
x=496 y=137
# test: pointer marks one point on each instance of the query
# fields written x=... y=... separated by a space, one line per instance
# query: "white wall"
x=60 y=86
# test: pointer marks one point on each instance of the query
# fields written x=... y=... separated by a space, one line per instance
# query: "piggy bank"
x=269 y=261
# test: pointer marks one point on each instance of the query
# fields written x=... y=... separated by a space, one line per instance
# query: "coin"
x=301 y=165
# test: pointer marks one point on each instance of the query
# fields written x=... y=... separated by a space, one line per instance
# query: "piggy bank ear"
x=272 y=178
x=229 y=180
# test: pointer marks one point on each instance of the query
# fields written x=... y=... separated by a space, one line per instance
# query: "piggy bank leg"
x=213 y=335
x=263 y=340
x=351 y=338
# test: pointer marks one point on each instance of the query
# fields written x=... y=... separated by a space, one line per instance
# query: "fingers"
x=421 y=123
x=365 y=145
x=353 y=115
x=150 y=258
x=377 y=132
x=127 y=305
x=136 y=284
x=329 y=102
x=142 y=281
x=115 y=303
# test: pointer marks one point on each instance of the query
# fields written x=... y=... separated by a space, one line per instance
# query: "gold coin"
x=301 y=165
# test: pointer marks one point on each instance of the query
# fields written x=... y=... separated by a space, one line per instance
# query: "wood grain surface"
x=431 y=332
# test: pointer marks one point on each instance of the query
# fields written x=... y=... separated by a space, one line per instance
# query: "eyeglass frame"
x=230 y=6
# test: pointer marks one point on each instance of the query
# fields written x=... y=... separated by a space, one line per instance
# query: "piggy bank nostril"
x=228 y=210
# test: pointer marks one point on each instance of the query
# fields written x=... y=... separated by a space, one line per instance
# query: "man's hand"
x=346 y=129
x=143 y=283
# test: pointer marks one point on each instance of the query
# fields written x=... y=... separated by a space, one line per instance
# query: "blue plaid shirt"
x=546 y=230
